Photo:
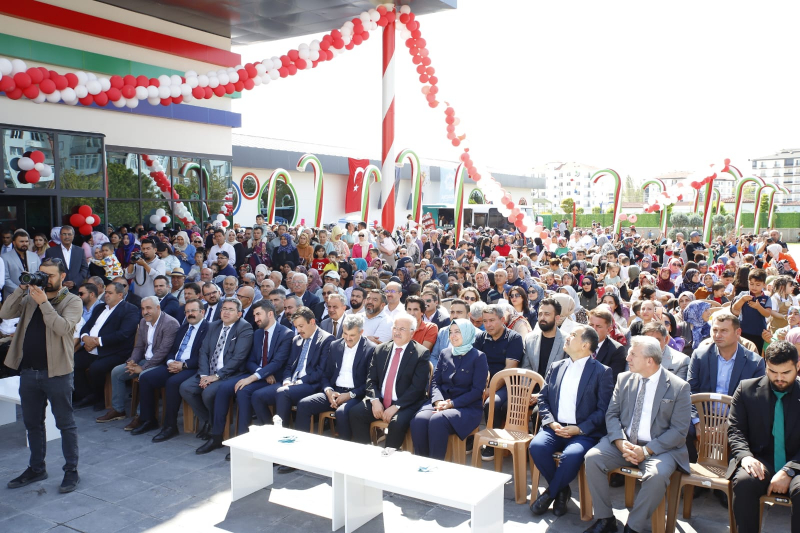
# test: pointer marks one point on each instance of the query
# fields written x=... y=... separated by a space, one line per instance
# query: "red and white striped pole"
x=388 y=194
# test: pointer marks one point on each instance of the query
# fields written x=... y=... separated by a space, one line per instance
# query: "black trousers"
x=757 y=340
x=90 y=373
x=361 y=417
x=746 y=492
x=155 y=379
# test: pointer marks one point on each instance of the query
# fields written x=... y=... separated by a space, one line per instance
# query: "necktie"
x=218 y=349
x=265 y=349
x=210 y=313
x=302 y=361
x=778 y=432
x=334 y=329
x=184 y=343
x=637 y=412
x=387 y=398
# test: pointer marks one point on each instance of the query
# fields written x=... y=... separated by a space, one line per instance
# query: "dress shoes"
x=285 y=469
x=204 y=432
x=166 y=433
x=27 y=477
x=562 y=499
x=542 y=503
x=144 y=427
x=110 y=416
x=135 y=423
x=604 y=525
x=213 y=443
x=70 y=481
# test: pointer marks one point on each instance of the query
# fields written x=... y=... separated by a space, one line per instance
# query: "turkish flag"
x=355 y=182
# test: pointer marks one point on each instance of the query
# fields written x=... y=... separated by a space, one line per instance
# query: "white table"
x=360 y=473
x=9 y=400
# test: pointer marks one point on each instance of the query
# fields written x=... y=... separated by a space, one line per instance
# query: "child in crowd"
x=612 y=278
x=109 y=262
x=199 y=261
x=753 y=308
x=718 y=293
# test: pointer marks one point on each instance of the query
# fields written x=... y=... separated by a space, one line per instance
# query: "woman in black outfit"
x=286 y=252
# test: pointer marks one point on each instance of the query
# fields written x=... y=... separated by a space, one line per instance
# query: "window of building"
x=81 y=162
x=15 y=143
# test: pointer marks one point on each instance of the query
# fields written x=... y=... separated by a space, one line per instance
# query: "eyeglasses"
x=390 y=291
x=516 y=295
x=469 y=299
x=395 y=328
x=327 y=293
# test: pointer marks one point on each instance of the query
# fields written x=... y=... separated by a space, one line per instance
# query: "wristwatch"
x=645 y=452
x=789 y=471
x=352 y=395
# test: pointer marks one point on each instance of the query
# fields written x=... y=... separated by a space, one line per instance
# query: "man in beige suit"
x=647 y=421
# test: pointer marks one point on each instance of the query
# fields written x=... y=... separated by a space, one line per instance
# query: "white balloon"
x=105 y=84
x=175 y=79
x=154 y=219
x=314 y=45
x=25 y=163
x=91 y=76
x=47 y=171
x=174 y=91
x=82 y=77
x=81 y=91
x=68 y=94
x=202 y=80
x=18 y=65
x=188 y=98
x=213 y=82
x=223 y=78
x=41 y=98
x=233 y=77
x=132 y=103
x=163 y=92
x=274 y=74
x=118 y=103
x=38 y=166
x=164 y=80
x=265 y=79
x=191 y=82
x=364 y=16
x=141 y=93
x=160 y=212
x=54 y=97
x=154 y=100
x=256 y=81
x=190 y=74
x=5 y=66
x=276 y=62
x=305 y=53
x=93 y=86
x=405 y=9
x=261 y=68
x=313 y=55
x=90 y=220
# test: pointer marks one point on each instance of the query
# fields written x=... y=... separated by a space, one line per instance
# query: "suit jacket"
x=413 y=374
x=676 y=362
x=249 y=317
x=365 y=350
x=163 y=339
x=613 y=354
x=286 y=322
x=461 y=378
x=134 y=299
x=191 y=362
x=316 y=360
x=309 y=300
x=750 y=429
x=327 y=326
x=703 y=366
x=279 y=348
x=532 y=345
x=118 y=332
x=217 y=312
x=237 y=348
x=171 y=306
x=439 y=319
x=669 y=418
x=14 y=268
x=594 y=393
x=78 y=269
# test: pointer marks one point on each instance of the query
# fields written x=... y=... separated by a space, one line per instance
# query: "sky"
x=635 y=86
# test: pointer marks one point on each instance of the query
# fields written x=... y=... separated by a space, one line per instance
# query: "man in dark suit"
x=397 y=385
x=108 y=339
x=271 y=346
x=213 y=306
x=433 y=314
x=573 y=405
x=246 y=294
x=336 y=305
x=73 y=257
x=609 y=352
x=764 y=442
x=720 y=367
x=647 y=421
x=130 y=297
x=671 y=359
x=222 y=357
x=169 y=304
x=181 y=364
x=345 y=380
x=299 y=286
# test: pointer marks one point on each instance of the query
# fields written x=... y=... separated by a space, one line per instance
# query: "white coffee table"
x=9 y=400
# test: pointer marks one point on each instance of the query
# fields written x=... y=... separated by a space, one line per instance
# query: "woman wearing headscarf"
x=535 y=297
x=230 y=238
x=483 y=285
x=405 y=279
x=568 y=279
x=456 y=405
x=664 y=280
x=55 y=236
x=286 y=252
x=340 y=246
x=412 y=248
x=565 y=323
x=776 y=257
x=502 y=248
x=691 y=281
x=345 y=274
x=304 y=250
x=314 y=281
x=261 y=273
x=184 y=251
x=696 y=315
x=128 y=247
x=513 y=277
x=646 y=265
x=588 y=296
x=362 y=246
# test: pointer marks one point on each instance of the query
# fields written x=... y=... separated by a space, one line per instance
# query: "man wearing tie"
x=211 y=296
x=222 y=357
x=765 y=447
x=572 y=405
x=647 y=421
x=336 y=305
x=397 y=385
x=345 y=380
x=73 y=257
x=181 y=365
x=271 y=345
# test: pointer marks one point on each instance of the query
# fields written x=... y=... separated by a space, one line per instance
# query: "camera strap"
x=60 y=296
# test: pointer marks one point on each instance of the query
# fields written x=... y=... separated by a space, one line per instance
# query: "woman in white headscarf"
x=566 y=322
x=184 y=251
x=230 y=238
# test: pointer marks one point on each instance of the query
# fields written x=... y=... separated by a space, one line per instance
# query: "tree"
x=631 y=191
x=765 y=204
x=567 y=205
x=579 y=211
x=596 y=211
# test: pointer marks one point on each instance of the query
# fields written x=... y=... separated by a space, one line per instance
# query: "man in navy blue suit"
x=181 y=365
x=298 y=286
x=73 y=257
x=345 y=380
x=271 y=346
x=168 y=303
x=573 y=405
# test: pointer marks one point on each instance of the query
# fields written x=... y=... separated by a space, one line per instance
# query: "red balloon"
x=31 y=92
x=7 y=84
x=301 y=63
x=208 y=92
x=166 y=101
x=87 y=100
x=77 y=220
x=46 y=73
x=284 y=72
x=294 y=54
x=85 y=210
x=251 y=70
x=433 y=80
x=32 y=176
x=383 y=22
x=164 y=219
x=522 y=228
x=114 y=94
x=249 y=84
x=357 y=39
x=86 y=229
x=154 y=82
x=60 y=81
x=129 y=79
x=219 y=90
x=238 y=86
x=178 y=99
x=37 y=156
x=101 y=99
x=116 y=81
x=404 y=18
x=456 y=142
x=128 y=91
x=198 y=92
x=35 y=74
x=426 y=61
x=96 y=220
x=47 y=86
x=22 y=80
x=142 y=81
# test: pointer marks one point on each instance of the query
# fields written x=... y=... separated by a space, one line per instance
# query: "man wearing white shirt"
x=393 y=293
x=145 y=270
x=571 y=423
x=377 y=326
x=73 y=257
x=220 y=245
x=647 y=422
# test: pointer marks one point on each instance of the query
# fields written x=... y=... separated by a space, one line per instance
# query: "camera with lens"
x=135 y=256
x=37 y=278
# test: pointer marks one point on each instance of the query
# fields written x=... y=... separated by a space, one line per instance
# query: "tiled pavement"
x=128 y=484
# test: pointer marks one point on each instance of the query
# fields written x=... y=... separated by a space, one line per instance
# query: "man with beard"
x=18 y=260
x=544 y=346
x=211 y=296
x=377 y=326
x=357 y=298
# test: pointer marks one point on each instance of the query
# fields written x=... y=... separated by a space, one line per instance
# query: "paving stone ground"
x=129 y=484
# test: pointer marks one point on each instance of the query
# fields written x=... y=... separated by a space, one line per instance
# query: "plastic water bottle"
x=277 y=420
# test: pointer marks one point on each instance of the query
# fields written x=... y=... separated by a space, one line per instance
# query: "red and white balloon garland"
x=31 y=167
x=227 y=206
x=39 y=84
x=156 y=172
x=420 y=56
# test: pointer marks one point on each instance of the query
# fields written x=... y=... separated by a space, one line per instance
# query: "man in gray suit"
x=547 y=336
x=671 y=359
x=647 y=421
x=18 y=260
x=222 y=356
x=336 y=305
x=74 y=259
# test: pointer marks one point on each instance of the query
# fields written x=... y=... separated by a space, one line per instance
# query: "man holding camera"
x=43 y=351
x=145 y=269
